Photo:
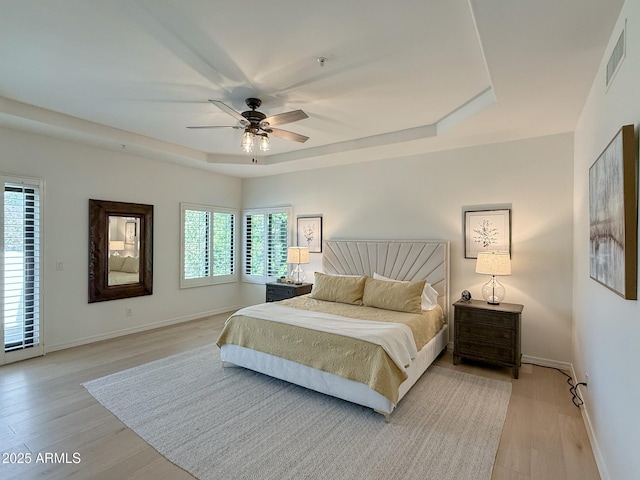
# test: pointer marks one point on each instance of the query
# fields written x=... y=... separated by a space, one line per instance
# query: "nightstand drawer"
x=493 y=318
x=486 y=352
x=485 y=333
x=282 y=291
x=274 y=293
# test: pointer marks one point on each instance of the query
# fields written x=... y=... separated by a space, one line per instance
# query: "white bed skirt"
x=329 y=383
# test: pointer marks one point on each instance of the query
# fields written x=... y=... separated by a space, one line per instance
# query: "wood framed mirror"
x=120 y=250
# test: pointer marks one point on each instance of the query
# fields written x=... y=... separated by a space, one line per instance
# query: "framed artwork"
x=613 y=216
x=486 y=230
x=130 y=233
x=310 y=233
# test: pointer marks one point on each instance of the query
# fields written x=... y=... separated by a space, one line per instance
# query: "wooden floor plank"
x=578 y=456
x=501 y=473
x=514 y=452
x=546 y=466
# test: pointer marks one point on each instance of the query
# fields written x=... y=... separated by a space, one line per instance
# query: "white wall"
x=73 y=174
x=606 y=339
x=422 y=197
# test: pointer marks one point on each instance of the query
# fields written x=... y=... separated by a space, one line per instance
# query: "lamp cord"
x=573 y=389
x=493 y=288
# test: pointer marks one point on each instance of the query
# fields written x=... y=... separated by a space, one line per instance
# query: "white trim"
x=211 y=279
x=595 y=447
x=140 y=328
x=545 y=362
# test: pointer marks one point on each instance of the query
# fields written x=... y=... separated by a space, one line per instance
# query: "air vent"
x=617 y=56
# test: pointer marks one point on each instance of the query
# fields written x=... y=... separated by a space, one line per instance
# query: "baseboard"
x=137 y=329
x=545 y=362
x=595 y=448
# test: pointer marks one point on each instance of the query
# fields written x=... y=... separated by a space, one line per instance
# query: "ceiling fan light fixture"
x=247 y=141
x=257 y=124
x=264 y=142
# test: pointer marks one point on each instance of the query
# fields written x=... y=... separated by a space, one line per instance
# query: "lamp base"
x=298 y=275
x=493 y=291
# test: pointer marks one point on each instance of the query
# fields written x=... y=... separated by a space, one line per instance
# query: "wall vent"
x=617 y=56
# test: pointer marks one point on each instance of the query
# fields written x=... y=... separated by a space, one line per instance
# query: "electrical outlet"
x=59 y=266
x=128 y=311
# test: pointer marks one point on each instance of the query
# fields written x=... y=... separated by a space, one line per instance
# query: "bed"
x=123 y=270
x=305 y=323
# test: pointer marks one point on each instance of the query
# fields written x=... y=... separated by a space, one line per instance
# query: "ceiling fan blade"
x=227 y=109
x=214 y=126
x=287 y=117
x=296 y=137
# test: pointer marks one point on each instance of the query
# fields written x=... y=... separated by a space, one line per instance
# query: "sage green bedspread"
x=350 y=358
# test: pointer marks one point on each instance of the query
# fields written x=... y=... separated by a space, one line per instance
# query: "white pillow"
x=429 y=294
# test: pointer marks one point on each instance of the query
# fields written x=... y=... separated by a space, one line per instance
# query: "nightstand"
x=488 y=333
x=281 y=291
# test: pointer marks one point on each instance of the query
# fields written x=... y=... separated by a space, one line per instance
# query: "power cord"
x=573 y=389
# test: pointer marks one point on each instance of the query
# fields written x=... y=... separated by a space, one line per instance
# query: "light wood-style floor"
x=44 y=409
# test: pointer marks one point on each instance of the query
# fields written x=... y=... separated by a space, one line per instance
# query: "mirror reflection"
x=120 y=250
x=124 y=250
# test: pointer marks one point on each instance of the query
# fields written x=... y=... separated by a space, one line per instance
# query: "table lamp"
x=494 y=264
x=297 y=255
x=116 y=245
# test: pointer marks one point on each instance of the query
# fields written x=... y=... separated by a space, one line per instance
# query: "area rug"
x=231 y=423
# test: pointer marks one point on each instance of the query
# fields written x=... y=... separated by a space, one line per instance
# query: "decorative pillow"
x=338 y=288
x=429 y=294
x=130 y=265
x=399 y=296
x=115 y=263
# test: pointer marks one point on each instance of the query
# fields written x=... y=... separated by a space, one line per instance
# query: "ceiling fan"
x=257 y=126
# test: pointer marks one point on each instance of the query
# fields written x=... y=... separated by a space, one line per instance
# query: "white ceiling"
x=400 y=78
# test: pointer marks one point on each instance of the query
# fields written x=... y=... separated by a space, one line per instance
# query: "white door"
x=20 y=266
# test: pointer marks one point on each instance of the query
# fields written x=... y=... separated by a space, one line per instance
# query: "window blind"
x=208 y=245
x=197 y=254
x=21 y=266
x=277 y=244
x=266 y=238
x=223 y=243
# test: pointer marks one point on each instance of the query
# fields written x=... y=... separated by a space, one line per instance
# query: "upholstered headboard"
x=398 y=259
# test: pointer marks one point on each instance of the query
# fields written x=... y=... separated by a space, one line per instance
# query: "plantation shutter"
x=21 y=266
x=197 y=254
x=266 y=238
x=223 y=244
x=277 y=244
x=254 y=245
x=208 y=245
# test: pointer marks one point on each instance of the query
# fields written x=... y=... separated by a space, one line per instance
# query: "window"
x=208 y=245
x=266 y=238
x=20 y=267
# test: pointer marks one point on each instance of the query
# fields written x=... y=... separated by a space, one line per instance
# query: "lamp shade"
x=493 y=263
x=116 y=245
x=298 y=255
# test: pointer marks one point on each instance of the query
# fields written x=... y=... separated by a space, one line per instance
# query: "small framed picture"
x=310 y=233
x=130 y=233
x=486 y=230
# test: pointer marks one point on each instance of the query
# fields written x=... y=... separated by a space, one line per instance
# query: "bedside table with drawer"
x=488 y=333
x=281 y=291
